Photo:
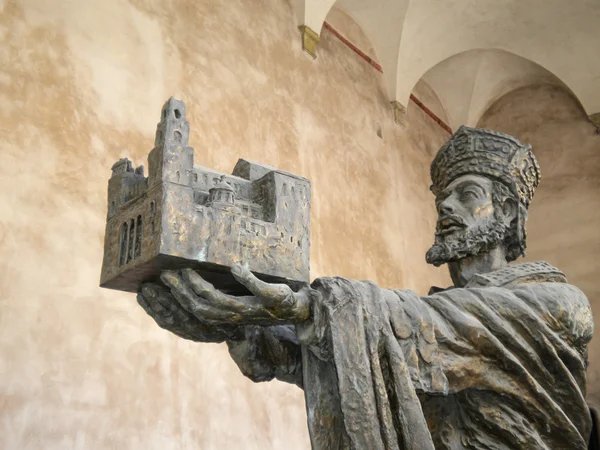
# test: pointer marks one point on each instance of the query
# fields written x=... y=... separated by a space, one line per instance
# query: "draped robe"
x=498 y=364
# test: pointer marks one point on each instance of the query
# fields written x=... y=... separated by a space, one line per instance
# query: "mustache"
x=450 y=220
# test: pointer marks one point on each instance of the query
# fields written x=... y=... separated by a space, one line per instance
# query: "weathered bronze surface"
x=496 y=361
x=183 y=215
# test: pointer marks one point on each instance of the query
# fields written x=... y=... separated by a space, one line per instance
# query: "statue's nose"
x=445 y=208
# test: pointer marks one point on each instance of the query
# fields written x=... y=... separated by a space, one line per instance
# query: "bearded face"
x=469 y=223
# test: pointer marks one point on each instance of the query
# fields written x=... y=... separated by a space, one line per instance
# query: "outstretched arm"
x=193 y=309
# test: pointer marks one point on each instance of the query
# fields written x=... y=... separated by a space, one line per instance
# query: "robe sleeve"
x=357 y=384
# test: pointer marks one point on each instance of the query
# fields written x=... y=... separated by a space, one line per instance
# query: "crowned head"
x=483 y=182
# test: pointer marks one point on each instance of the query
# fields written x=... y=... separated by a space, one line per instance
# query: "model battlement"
x=183 y=215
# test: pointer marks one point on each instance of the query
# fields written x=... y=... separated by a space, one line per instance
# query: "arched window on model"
x=131 y=240
x=123 y=244
x=137 y=252
x=152 y=214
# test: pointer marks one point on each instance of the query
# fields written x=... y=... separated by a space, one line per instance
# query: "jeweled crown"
x=478 y=151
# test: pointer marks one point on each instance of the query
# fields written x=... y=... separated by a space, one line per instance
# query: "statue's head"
x=483 y=182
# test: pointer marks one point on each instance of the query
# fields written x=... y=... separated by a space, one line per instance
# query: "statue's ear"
x=509 y=208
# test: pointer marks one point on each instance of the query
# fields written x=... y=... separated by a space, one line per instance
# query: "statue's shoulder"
x=518 y=274
x=545 y=288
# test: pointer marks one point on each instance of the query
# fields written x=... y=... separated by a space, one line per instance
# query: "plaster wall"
x=565 y=212
x=81 y=85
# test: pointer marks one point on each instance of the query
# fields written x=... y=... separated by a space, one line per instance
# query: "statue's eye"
x=469 y=194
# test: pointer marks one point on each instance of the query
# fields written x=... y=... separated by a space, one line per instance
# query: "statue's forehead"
x=479 y=180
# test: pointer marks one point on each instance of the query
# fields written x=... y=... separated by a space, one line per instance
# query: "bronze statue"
x=497 y=361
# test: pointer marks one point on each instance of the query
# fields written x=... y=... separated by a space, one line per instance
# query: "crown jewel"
x=484 y=152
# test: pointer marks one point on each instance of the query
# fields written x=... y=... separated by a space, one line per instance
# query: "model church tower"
x=171 y=159
x=183 y=216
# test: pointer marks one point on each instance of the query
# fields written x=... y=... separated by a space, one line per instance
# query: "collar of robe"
x=514 y=274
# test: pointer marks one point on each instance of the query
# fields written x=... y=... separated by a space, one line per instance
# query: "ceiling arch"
x=312 y=13
x=411 y=37
x=468 y=83
x=381 y=21
x=564 y=40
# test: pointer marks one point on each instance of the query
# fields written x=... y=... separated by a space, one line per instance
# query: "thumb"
x=258 y=287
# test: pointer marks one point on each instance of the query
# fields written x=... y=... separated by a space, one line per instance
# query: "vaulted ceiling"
x=473 y=51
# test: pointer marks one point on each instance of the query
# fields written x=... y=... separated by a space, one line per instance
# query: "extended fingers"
x=216 y=298
x=278 y=300
x=172 y=311
x=212 y=306
x=144 y=304
x=274 y=303
x=238 y=309
x=267 y=291
x=161 y=316
x=186 y=297
x=202 y=287
x=151 y=295
x=168 y=313
x=163 y=298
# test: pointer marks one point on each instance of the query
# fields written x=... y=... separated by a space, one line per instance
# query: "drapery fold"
x=477 y=367
x=375 y=395
x=499 y=364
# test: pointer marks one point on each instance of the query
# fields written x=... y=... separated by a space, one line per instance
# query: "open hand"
x=271 y=304
x=160 y=304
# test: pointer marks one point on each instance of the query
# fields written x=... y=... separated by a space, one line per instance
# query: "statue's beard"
x=480 y=238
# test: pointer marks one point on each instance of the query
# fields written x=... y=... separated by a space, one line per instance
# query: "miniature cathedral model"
x=186 y=216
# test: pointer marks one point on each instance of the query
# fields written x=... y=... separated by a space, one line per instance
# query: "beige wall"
x=82 y=84
x=563 y=219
